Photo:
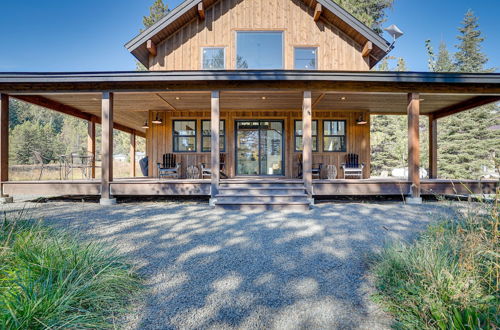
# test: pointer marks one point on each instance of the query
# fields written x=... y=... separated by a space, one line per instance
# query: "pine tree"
x=469 y=57
x=444 y=62
x=156 y=12
x=371 y=12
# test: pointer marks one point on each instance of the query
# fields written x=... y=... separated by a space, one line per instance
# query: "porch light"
x=177 y=98
x=361 y=121
x=157 y=120
x=145 y=124
x=263 y=97
x=343 y=98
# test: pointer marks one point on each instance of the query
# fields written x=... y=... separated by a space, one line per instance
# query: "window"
x=184 y=135
x=298 y=135
x=259 y=50
x=214 y=58
x=305 y=58
x=206 y=136
x=334 y=135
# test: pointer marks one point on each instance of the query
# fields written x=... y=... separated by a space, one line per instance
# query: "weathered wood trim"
x=107 y=144
x=413 y=143
x=132 y=154
x=433 y=147
x=4 y=139
x=307 y=142
x=317 y=12
x=474 y=102
x=201 y=11
x=367 y=48
x=161 y=188
x=151 y=47
x=91 y=144
x=215 y=146
x=52 y=188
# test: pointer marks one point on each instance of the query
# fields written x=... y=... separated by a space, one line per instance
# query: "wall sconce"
x=157 y=120
x=145 y=124
x=361 y=121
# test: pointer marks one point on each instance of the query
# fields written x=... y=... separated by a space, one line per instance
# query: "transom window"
x=259 y=50
x=206 y=136
x=213 y=58
x=184 y=135
x=298 y=135
x=334 y=136
x=305 y=58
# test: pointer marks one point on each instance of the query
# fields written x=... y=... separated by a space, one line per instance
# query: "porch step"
x=261 y=185
x=262 y=191
x=264 y=206
x=262 y=198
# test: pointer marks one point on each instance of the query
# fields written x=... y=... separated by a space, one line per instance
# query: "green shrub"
x=50 y=280
x=449 y=277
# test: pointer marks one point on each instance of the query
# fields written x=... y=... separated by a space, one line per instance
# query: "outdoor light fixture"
x=263 y=97
x=343 y=98
x=395 y=33
x=177 y=98
x=145 y=124
x=157 y=120
x=361 y=121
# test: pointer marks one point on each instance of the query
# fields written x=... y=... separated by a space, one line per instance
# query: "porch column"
x=414 y=148
x=4 y=146
x=215 y=129
x=91 y=144
x=433 y=166
x=107 y=148
x=132 y=153
x=307 y=142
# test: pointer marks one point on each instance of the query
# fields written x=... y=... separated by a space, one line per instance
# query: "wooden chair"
x=352 y=167
x=169 y=167
x=206 y=171
x=316 y=168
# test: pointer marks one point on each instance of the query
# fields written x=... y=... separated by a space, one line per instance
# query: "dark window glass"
x=184 y=135
x=305 y=58
x=206 y=136
x=334 y=136
x=298 y=135
x=259 y=50
x=213 y=58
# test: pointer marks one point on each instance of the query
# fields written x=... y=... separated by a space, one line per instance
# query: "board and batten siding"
x=159 y=138
x=182 y=50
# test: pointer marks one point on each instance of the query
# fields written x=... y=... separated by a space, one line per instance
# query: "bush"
x=50 y=280
x=449 y=277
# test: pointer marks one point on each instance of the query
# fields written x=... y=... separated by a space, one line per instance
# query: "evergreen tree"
x=371 y=12
x=444 y=62
x=156 y=12
x=469 y=57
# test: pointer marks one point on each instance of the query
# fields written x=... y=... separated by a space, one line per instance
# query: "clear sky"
x=88 y=35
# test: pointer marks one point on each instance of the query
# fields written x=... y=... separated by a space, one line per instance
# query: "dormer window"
x=259 y=50
x=305 y=58
x=213 y=58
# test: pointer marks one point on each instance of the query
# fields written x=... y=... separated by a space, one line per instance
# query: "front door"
x=259 y=147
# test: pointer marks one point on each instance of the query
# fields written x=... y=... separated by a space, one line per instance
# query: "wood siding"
x=182 y=50
x=159 y=138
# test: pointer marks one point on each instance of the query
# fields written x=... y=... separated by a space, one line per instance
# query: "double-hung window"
x=259 y=50
x=206 y=136
x=184 y=135
x=213 y=58
x=298 y=135
x=334 y=135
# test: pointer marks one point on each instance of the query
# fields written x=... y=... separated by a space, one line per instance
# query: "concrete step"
x=259 y=206
x=262 y=191
x=262 y=198
x=261 y=185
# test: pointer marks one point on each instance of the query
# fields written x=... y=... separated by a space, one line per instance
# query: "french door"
x=259 y=147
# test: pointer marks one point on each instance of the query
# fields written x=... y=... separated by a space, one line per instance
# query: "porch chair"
x=316 y=168
x=41 y=161
x=206 y=171
x=169 y=167
x=352 y=167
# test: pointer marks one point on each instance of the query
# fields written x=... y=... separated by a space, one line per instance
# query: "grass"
x=48 y=279
x=449 y=277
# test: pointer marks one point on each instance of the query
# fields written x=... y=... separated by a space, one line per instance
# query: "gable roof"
x=187 y=11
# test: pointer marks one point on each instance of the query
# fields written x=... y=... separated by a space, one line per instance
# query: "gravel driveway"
x=207 y=268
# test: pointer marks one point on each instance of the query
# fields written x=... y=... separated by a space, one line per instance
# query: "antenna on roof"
x=395 y=32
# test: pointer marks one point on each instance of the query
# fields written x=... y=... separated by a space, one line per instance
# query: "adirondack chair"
x=316 y=168
x=206 y=171
x=169 y=167
x=352 y=167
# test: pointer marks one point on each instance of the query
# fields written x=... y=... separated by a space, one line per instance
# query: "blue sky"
x=88 y=35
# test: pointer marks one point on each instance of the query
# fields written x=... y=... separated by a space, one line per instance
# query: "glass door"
x=259 y=147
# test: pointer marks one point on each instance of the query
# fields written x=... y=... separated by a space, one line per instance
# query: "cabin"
x=253 y=103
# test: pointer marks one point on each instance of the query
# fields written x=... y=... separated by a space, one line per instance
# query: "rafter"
x=471 y=103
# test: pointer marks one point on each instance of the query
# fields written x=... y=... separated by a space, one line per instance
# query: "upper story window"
x=334 y=137
x=305 y=58
x=259 y=50
x=213 y=58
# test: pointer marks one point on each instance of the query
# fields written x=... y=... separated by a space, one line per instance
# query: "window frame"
x=344 y=149
x=174 y=144
x=213 y=47
x=223 y=121
x=313 y=136
x=259 y=31
x=315 y=55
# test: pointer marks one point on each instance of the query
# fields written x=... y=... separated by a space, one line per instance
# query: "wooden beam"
x=471 y=103
x=317 y=12
x=413 y=144
x=318 y=99
x=201 y=11
x=4 y=139
x=107 y=147
x=433 y=152
x=132 y=154
x=215 y=146
x=166 y=102
x=367 y=49
x=91 y=143
x=307 y=142
x=151 y=47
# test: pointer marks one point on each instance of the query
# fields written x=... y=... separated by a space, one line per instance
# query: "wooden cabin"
x=274 y=88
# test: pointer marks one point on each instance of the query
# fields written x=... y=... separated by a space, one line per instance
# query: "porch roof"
x=78 y=93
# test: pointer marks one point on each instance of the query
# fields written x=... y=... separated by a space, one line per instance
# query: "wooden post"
x=215 y=131
x=413 y=146
x=307 y=142
x=91 y=144
x=132 y=153
x=433 y=166
x=4 y=146
x=107 y=148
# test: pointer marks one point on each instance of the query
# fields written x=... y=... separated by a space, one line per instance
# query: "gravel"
x=207 y=268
